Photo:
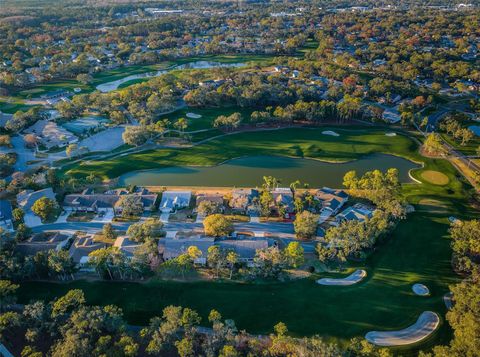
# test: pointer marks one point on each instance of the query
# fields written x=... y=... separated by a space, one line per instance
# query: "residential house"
x=6 y=218
x=172 y=248
x=283 y=197
x=244 y=200
x=391 y=115
x=245 y=248
x=43 y=242
x=26 y=199
x=213 y=198
x=126 y=246
x=110 y=201
x=175 y=200
x=331 y=200
x=51 y=135
x=357 y=212
x=82 y=247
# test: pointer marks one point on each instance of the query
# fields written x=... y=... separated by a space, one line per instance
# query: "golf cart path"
x=356 y=277
x=425 y=325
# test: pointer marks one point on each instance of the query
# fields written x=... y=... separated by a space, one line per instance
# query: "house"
x=6 y=218
x=357 y=212
x=213 y=198
x=283 y=196
x=89 y=201
x=126 y=246
x=43 y=242
x=26 y=199
x=246 y=249
x=244 y=200
x=51 y=135
x=391 y=115
x=175 y=200
x=172 y=248
x=82 y=247
x=331 y=198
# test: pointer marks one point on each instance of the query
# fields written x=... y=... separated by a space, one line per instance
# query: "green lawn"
x=301 y=142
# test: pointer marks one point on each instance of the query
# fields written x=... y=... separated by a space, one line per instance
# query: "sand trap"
x=448 y=300
x=420 y=289
x=390 y=134
x=193 y=116
x=426 y=323
x=331 y=133
x=356 y=277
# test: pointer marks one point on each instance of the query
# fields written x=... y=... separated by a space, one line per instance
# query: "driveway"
x=32 y=220
x=106 y=218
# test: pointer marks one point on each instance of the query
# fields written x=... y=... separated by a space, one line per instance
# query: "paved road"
x=283 y=232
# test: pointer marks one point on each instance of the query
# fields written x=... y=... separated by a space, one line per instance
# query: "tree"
x=305 y=225
x=18 y=215
x=45 y=208
x=7 y=293
x=228 y=122
x=84 y=78
x=269 y=262
x=146 y=230
x=294 y=254
x=70 y=301
x=131 y=205
x=181 y=124
x=108 y=232
x=60 y=263
x=135 y=135
x=215 y=258
x=71 y=150
x=194 y=252
x=433 y=145
x=23 y=232
x=217 y=225
x=232 y=259
x=206 y=208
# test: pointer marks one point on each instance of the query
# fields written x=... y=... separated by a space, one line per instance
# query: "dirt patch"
x=435 y=177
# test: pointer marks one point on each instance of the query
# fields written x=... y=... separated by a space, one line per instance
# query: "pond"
x=249 y=172
x=113 y=85
x=475 y=129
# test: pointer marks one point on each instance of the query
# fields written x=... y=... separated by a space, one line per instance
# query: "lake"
x=113 y=85
x=249 y=172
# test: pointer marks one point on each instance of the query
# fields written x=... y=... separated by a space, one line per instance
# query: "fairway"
x=293 y=142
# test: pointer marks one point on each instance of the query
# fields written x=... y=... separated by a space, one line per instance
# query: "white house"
x=174 y=200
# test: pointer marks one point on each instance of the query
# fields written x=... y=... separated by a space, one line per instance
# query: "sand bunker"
x=426 y=323
x=448 y=300
x=356 y=277
x=193 y=116
x=331 y=133
x=390 y=134
x=420 y=289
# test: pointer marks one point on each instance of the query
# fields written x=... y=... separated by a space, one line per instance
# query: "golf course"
x=417 y=251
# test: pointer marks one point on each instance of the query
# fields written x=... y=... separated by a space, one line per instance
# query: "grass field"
x=300 y=142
